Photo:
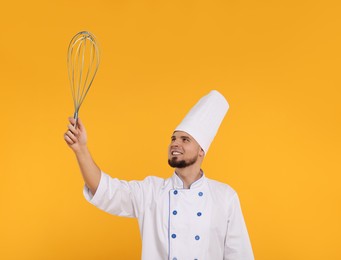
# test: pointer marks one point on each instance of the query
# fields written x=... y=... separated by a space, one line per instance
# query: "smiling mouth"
x=176 y=153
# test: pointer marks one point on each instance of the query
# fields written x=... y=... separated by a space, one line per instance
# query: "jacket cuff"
x=102 y=187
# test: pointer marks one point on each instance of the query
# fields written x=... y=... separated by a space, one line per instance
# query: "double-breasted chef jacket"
x=204 y=222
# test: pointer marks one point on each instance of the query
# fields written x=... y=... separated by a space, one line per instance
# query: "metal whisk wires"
x=83 y=60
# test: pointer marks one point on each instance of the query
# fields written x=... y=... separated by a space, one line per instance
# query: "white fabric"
x=206 y=220
x=203 y=120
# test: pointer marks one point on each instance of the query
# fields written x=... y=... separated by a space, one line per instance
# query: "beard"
x=175 y=163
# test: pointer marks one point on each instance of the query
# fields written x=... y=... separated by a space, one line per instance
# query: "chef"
x=185 y=217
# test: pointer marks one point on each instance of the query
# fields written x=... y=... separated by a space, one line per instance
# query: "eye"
x=185 y=139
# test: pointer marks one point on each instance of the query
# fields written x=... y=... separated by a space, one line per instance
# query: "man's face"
x=183 y=150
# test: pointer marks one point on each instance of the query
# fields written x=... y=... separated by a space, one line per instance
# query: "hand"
x=76 y=138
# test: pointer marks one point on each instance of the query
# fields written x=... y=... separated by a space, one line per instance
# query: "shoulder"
x=154 y=180
x=220 y=186
x=150 y=182
x=221 y=189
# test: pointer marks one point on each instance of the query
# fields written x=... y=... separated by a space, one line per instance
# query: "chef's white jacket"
x=204 y=222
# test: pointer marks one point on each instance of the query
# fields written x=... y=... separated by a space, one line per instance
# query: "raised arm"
x=76 y=139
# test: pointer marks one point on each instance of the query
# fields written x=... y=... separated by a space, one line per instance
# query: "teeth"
x=175 y=153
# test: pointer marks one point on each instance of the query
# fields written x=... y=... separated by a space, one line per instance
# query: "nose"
x=174 y=145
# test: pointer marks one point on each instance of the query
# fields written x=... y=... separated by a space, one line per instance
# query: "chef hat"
x=203 y=120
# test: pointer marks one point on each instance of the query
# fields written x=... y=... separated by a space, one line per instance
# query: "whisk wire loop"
x=83 y=60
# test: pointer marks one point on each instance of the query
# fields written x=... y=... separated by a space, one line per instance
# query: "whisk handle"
x=75 y=116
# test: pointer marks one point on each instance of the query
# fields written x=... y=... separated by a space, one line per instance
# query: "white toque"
x=203 y=120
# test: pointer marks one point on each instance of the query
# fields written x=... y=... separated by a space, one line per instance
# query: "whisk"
x=83 y=59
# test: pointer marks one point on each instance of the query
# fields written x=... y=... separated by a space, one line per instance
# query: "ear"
x=201 y=152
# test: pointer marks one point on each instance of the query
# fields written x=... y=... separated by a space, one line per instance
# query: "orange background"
x=278 y=64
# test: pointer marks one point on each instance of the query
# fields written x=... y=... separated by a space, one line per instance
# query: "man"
x=187 y=216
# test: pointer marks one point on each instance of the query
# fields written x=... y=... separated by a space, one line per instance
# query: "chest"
x=188 y=221
x=196 y=212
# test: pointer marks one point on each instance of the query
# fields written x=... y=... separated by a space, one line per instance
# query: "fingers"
x=72 y=129
x=72 y=120
x=80 y=124
x=75 y=135
x=70 y=138
x=71 y=134
x=71 y=125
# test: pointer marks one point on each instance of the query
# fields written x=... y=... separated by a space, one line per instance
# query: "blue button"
x=173 y=236
x=199 y=214
x=200 y=193
x=175 y=192
x=175 y=212
x=197 y=237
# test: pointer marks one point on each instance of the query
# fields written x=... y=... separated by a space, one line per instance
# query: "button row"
x=199 y=214
x=196 y=237
x=174 y=258
x=200 y=193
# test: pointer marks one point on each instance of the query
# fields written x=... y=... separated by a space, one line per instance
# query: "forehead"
x=181 y=134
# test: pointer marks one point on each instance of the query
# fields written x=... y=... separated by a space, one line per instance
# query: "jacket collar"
x=178 y=183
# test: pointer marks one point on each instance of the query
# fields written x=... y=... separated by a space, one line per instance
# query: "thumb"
x=80 y=124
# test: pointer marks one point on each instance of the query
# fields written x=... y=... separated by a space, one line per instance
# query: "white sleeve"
x=237 y=243
x=118 y=197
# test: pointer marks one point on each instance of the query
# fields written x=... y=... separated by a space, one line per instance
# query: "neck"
x=189 y=175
